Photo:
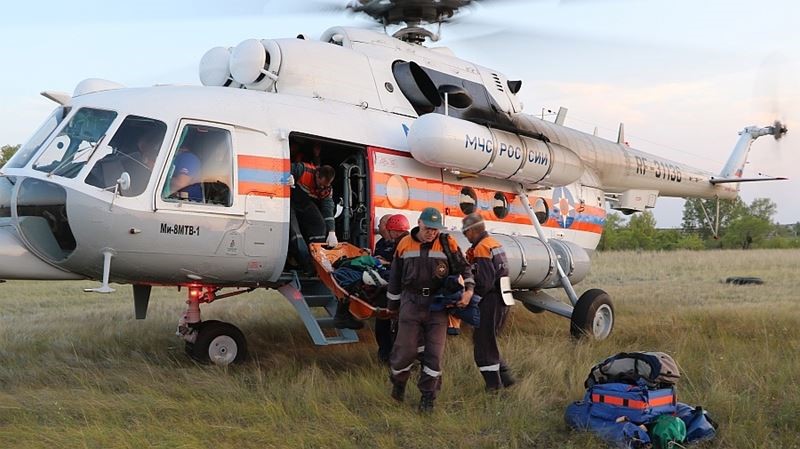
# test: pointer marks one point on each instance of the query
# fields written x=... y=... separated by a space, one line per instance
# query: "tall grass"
x=76 y=371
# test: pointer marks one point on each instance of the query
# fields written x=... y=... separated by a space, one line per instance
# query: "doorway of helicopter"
x=350 y=186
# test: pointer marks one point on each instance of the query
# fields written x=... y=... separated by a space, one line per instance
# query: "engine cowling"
x=454 y=144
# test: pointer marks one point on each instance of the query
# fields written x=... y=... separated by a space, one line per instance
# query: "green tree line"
x=738 y=225
x=6 y=151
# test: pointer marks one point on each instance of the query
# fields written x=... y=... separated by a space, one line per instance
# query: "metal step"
x=304 y=294
x=319 y=300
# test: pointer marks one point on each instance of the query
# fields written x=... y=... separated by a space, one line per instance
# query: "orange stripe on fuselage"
x=264 y=164
x=485 y=196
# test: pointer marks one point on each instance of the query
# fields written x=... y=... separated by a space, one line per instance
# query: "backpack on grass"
x=656 y=369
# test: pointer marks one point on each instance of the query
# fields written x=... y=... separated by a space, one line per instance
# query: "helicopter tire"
x=218 y=343
x=189 y=346
x=593 y=315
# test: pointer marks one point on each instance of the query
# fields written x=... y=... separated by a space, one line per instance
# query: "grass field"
x=76 y=371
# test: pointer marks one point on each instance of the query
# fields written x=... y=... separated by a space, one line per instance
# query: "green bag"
x=668 y=430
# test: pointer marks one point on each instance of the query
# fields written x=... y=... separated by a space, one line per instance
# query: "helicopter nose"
x=34 y=229
x=16 y=262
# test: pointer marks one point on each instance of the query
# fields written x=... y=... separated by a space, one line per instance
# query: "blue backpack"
x=699 y=426
x=624 y=402
x=622 y=434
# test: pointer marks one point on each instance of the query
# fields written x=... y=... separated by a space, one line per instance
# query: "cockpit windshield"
x=69 y=151
x=133 y=150
x=26 y=152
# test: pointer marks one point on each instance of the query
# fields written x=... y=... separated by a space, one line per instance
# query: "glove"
x=332 y=240
x=465 y=299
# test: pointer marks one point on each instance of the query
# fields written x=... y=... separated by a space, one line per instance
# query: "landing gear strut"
x=591 y=315
x=211 y=341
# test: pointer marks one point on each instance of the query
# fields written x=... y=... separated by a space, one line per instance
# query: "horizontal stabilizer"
x=729 y=180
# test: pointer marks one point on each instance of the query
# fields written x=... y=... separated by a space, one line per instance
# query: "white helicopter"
x=406 y=126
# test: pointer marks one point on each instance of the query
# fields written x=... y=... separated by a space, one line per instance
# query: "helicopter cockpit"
x=144 y=180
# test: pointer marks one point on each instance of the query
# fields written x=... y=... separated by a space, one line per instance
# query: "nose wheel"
x=211 y=341
x=593 y=315
x=218 y=343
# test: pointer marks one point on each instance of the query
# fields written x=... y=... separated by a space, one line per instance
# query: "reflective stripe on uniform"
x=498 y=250
x=395 y=372
x=495 y=367
x=431 y=372
x=420 y=349
x=437 y=255
x=416 y=253
x=392 y=296
x=409 y=254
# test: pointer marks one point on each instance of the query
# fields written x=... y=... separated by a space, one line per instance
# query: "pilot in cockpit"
x=186 y=183
x=141 y=162
x=134 y=150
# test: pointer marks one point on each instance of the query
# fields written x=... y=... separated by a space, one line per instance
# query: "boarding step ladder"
x=306 y=294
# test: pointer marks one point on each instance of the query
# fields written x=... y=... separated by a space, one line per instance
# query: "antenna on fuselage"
x=561 y=116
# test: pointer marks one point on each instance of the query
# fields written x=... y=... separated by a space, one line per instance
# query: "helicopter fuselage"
x=242 y=240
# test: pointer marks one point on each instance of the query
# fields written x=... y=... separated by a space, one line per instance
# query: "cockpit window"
x=68 y=152
x=26 y=152
x=133 y=150
x=201 y=170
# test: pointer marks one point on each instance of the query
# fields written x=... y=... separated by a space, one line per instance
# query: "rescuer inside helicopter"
x=419 y=269
x=312 y=221
x=312 y=210
x=489 y=265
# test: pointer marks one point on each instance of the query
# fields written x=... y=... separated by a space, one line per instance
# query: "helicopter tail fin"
x=732 y=171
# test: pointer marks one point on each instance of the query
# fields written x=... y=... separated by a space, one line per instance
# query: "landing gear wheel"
x=593 y=315
x=218 y=343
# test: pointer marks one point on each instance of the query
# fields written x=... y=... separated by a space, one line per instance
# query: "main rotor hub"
x=411 y=13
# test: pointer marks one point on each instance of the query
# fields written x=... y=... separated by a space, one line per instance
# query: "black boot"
x=344 y=319
x=492 y=379
x=398 y=391
x=426 y=403
x=506 y=377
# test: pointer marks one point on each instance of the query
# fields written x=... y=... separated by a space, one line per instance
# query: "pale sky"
x=683 y=75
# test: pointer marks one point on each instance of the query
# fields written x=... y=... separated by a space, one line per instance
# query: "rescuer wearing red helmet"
x=392 y=228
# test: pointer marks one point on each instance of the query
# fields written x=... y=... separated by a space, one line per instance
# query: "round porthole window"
x=397 y=191
x=500 y=205
x=541 y=210
x=468 y=200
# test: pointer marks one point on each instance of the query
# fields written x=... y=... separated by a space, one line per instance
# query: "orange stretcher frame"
x=324 y=257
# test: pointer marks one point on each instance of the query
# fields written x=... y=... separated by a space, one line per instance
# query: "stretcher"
x=324 y=257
